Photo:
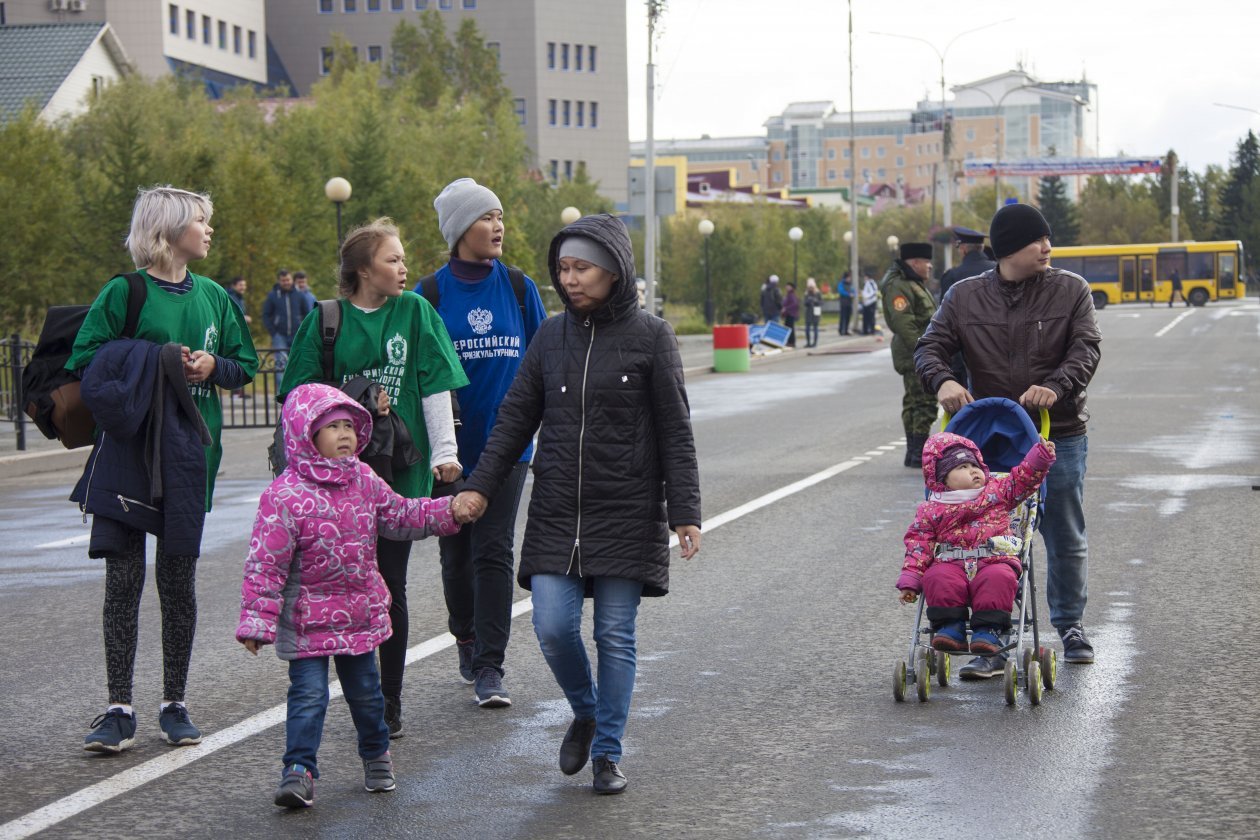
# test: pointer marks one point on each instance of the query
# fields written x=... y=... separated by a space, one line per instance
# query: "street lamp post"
x=706 y=230
x=338 y=192
x=795 y=235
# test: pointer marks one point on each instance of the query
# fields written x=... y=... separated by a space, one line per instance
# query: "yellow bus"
x=1143 y=273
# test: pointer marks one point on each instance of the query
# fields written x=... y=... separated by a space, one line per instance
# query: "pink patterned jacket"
x=311 y=585
x=949 y=516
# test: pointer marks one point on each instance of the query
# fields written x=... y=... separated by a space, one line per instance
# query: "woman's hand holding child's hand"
x=909 y=596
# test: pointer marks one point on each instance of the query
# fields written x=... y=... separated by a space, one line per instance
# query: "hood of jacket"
x=306 y=404
x=611 y=233
x=935 y=447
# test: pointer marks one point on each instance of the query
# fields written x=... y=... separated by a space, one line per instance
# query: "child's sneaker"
x=177 y=728
x=950 y=637
x=985 y=641
x=297 y=788
x=378 y=774
x=111 y=732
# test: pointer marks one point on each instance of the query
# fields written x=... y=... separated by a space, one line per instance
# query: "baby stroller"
x=1004 y=433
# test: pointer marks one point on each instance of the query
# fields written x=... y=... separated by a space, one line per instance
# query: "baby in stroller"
x=960 y=549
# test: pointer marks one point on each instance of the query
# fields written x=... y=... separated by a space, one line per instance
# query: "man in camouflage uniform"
x=908 y=309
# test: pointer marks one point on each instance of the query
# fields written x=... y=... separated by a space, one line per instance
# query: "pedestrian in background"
x=615 y=470
x=908 y=308
x=1176 y=289
x=1040 y=347
x=283 y=311
x=974 y=262
x=169 y=229
x=813 y=312
x=791 y=311
x=771 y=299
x=236 y=289
x=868 y=300
x=301 y=283
x=393 y=338
x=312 y=586
x=491 y=329
x=845 y=289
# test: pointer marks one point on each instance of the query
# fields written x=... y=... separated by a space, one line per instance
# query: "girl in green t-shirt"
x=393 y=337
x=169 y=229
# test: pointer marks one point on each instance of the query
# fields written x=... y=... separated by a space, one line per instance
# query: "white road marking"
x=1174 y=322
x=128 y=780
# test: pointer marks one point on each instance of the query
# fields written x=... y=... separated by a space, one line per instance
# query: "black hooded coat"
x=616 y=460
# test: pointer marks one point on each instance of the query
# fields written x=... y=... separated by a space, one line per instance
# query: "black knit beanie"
x=1014 y=226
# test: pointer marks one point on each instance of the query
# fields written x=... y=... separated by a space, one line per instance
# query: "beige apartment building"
x=563 y=60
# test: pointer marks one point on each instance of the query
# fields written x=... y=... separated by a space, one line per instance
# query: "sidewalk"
x=43 y=455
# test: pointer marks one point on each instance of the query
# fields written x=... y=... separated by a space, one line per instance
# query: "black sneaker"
x=393 y=715
x=111 y=732
x=1076 y=648
x=177 y=728
x=983 y=667
x=378 y=774
x=608 y=776
x=466 y=650
x=576 y=745
x=490 y=691
x=297 y=788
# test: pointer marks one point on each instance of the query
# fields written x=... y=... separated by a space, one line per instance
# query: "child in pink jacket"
x=960 y=549
x=312 y=587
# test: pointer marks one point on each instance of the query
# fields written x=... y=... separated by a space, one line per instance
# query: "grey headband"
x=581 y=248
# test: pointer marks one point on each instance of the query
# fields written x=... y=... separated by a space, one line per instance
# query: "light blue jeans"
x=558 y=624
x=1063 y=532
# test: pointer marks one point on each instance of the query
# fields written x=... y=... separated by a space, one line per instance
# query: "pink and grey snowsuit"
x=312 y=586
x=951 y=520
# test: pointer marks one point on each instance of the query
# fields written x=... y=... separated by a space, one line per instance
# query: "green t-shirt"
x=403 y=346
x=202 y=319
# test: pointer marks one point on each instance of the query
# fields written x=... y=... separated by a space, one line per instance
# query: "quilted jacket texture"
x=312 y=586
x=616 y=460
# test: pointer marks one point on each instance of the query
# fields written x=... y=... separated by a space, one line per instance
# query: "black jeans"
x=477 y=574
x=391 y=557
x=846 y=312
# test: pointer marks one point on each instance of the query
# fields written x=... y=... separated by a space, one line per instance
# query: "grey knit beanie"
x=461 y=203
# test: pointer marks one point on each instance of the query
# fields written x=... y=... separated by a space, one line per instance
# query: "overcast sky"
x=725 y=66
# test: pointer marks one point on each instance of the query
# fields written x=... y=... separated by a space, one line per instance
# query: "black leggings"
x=391 y=557
x=177 y=594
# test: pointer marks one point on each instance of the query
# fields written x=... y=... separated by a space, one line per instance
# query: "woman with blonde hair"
x=209 y=345
x=395 y=339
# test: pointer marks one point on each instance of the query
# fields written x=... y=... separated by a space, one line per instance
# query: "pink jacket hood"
x=935 y=447
x=305 y=405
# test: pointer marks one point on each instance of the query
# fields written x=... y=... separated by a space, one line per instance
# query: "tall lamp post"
x=795 y=235
x=706 y=230
x=338 y=192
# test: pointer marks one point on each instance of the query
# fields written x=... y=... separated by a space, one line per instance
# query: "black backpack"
x=50 y=393
x=329 y=328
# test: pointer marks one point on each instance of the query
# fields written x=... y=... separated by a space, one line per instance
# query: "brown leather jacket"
x=1041 y=331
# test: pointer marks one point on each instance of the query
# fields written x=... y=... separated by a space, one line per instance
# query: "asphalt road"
x=763 y=706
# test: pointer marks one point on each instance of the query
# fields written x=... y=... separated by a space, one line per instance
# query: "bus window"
x=1201 y=267
x=1227 y=280
x=1072 y=264
x=1168 y=263
x=1100 y=270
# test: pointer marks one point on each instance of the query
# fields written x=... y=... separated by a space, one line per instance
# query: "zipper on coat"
x=577 y=537
x=123 y=500
x=87 y=491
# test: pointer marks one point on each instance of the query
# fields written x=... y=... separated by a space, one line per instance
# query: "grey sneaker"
x=1076 y=648
x=111 y=732
x=490 y=691
x=378 y=774
x=297 y=788
x=177 y=728
x=465 y=649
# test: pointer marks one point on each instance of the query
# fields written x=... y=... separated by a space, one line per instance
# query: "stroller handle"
x=1044 y=417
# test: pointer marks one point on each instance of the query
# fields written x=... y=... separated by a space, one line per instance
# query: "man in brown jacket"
x=1028 y=333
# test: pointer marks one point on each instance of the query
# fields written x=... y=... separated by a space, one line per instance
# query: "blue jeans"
x=1063 y=532
x=280 y=344
x=558 y=625
x=308 y=703
x=477 y=579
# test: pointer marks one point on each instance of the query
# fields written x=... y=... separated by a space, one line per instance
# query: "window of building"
x=881 y=173
x=470 y=4
x=831 y=174
x=207 y=30
x=555 y=171
x=778 y=177
x=568 y=170
x=173 y=10
x=581 y=114
x=253 y=44
x=901 y=161
x=551 y=55
x=565 y=111
x=564 y=56
x=421 y=5
x=373 y=5
x=236 y=40
x=518 y=107
x=349 y=6
x=190 y=25
x=971 y=134
x=879 y=151
x=325 y=60
x=374 y=53
x=551 y=111
x=594 y=115
x=866 y=151
x=223 y=35
x=776 y=155
x=446 y=5
x=577 y=57
x=396 y=5
x=901 y=138
x=325 y=7
x=845 y=153
x=831 y=153
x=497 y=49
x=848 y=173
x=590 y=58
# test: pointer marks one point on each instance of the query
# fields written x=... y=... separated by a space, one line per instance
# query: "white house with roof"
x=57 y=67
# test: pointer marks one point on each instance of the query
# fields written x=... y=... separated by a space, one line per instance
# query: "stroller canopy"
x=1001 y=428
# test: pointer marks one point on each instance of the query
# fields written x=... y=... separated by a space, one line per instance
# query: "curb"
x=33 y=463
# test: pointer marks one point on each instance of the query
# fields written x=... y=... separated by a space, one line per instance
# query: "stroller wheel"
x=942 y=669
x=1049 y=667
x=1034 y=683
x=923 y=682
x=899 y=681
x=1011 y=682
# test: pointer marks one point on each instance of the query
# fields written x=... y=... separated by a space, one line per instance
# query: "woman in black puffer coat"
x=615 y=469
